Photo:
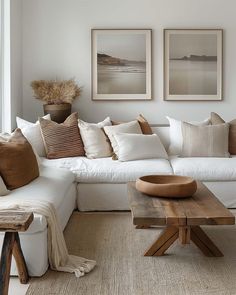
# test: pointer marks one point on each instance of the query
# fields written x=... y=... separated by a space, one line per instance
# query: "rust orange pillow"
x=18 y=163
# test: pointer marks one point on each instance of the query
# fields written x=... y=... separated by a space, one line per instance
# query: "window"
x=5 y=73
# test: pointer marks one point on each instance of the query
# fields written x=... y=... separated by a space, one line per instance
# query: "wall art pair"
x=122 y=64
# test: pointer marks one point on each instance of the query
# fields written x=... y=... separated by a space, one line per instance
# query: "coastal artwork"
x=193 y=64
x=121 y=64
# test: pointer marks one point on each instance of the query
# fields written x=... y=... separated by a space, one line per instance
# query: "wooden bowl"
x=170 y=186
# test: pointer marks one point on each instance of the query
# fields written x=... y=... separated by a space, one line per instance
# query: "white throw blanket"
x=59 y=258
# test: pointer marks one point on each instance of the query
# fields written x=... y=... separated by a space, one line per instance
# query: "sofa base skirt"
x=113 y=196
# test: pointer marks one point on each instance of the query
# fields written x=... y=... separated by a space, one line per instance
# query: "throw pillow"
x=139 y=146
x=3 y=189
x=18 y=163
x=176 y=137
x=62 y=140
x=144 y=125
x=131 y=127
x=33 y=134
x=205 y=141
x=216 y=119
x=96 y=143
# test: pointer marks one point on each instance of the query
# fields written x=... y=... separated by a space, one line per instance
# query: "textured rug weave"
x=112 y=240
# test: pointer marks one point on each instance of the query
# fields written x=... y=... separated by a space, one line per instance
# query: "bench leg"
x=5 y=265
x=20 y=261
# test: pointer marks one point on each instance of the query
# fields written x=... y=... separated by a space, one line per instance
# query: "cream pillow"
x=130 y=127
x=139 y=146
x=33 y=134
x=96 y=143
x=205 y=141
x=3 y=189
x=176 y=137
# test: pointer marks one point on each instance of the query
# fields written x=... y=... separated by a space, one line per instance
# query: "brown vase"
x=58 y=112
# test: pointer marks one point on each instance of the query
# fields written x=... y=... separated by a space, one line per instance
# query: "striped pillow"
x=62 y=140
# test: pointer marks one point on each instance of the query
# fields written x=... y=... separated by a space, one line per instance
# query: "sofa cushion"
x=106 y=170
x=52 y=185
x=205 y=141
x=206 y=169
x=18 y=163
x=96 y=143
x=216 y=119
x=62 y=140
x=139 y=146
x=33 y=134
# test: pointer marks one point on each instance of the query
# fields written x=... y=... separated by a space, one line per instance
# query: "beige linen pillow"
x=130 y=127
x=216 y=119
x=62 y=140
x=176 y=137
x=3 y=189
x=96 y=143
x=139 y=146
x=205 y=141
x=144 y=125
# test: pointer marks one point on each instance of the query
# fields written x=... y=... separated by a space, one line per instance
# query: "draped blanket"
x=59 y=258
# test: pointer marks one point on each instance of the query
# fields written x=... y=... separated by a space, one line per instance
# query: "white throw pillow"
x=139 y=146
x=176 y=137
x=130 y=127
x=96 y=143
x=33 y=134
x=3 y=189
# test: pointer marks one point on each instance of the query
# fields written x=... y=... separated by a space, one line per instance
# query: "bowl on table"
x=170 y=186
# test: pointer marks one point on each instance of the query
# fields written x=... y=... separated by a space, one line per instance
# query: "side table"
x=12 y=222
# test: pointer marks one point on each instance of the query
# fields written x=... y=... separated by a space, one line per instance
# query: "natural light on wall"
x=5 y=65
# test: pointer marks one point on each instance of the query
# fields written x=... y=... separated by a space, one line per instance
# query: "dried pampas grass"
x=56 y=92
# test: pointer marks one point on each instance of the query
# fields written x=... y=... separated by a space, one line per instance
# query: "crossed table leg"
x=184 y=233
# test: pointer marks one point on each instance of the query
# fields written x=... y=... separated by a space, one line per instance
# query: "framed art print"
x=193 y=64
x=121 y=64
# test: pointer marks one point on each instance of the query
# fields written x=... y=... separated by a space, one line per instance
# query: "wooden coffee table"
x=182 y=218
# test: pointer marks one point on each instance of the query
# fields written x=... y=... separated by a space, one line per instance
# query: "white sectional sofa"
x=100 y=184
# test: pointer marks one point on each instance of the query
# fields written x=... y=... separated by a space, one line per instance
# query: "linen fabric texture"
x=176 y=137
x=33 y=134
x=130 y=127
x=62 y=140
x=216 y=119
x=18 y=163
x=138 y=146
x=96 y=142
x=205 y=141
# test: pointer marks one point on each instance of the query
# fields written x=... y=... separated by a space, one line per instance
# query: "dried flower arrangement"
x=56 y=92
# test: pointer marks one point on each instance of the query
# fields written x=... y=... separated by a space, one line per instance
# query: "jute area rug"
x=112 y=240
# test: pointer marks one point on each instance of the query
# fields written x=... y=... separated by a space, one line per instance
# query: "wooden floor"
x=117 y=246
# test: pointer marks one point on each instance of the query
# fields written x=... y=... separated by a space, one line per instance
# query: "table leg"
x=204 y=243
x=164 y=241
x=20 y=261
x=5 y=265
x=185 y=234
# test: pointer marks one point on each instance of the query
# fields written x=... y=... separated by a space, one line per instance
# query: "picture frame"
x=121 y=64
x=193 y=64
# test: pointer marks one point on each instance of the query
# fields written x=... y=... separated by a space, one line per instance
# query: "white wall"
x=16 y=60
x=56 y=43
